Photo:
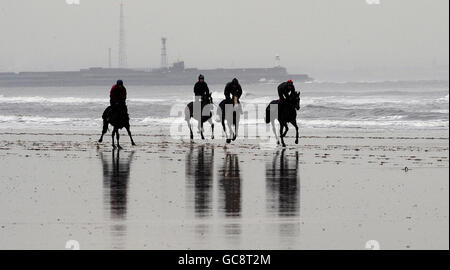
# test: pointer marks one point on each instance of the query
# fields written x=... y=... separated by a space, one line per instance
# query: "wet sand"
x=329 y=192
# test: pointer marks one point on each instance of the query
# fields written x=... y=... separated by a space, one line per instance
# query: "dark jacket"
x=201 y=89
x=118 y=94
x=284 y=92
x=231 y=91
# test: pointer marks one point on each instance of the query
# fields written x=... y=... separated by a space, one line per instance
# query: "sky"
x=336 y=40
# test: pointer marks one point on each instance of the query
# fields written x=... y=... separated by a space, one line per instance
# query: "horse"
x=287 y=113
x=231 y=116
x=117 y=116
x=206 y=115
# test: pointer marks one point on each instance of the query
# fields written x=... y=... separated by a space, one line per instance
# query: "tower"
x=163 y=53
x=122 y=49
x=277 y=60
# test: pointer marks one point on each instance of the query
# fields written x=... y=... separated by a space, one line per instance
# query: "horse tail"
x=267 y=115
x=219 y=113
x=187 y=113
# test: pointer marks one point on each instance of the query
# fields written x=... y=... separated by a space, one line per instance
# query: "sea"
x=391 y=105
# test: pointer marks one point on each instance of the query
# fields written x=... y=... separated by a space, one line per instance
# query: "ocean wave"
x=78 y=100
x=443 y=99
x=327 y=101
x=38 y=99
x=388 y=122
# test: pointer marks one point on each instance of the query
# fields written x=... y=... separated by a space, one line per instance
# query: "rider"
x=118 y=94
x=233 y=89
x=201 y=90
x=117 y=98
x=286 y=90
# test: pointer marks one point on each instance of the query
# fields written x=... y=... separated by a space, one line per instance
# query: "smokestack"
x=163 y=53
x=122 y=50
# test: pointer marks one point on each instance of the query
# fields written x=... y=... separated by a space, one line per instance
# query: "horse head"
x=296 y=100
x=209 y=98
x=235 y=100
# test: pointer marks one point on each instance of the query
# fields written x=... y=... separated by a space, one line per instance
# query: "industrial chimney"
x=163 y=53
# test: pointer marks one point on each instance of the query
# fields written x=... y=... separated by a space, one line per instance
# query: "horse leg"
x=229 y=124
x=118 y=136
x=224 y=128
x=275 y=131
x=113 y=133
x=190 y=129
x=282 y=135
x=286 y=131
x=200 y=128
x=294 y=123
x=129 y=134
x=235 y=124
x=104 y=130
x=212 y=127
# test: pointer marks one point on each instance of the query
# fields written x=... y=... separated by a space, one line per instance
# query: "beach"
x=336 y=189
x=261 y=126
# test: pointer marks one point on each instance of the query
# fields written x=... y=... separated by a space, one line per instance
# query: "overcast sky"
x=328 y=39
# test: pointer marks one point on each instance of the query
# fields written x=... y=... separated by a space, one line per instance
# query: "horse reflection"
x=116 y=175
x=199 y=176
x=282 y=185
x=230 y=186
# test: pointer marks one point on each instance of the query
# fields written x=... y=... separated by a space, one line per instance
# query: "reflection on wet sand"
x=199 y=178
x=282 y=188
x=282 y=185
x=230 y=186
x=116 y=175
x=230 y=194
x=199 y=183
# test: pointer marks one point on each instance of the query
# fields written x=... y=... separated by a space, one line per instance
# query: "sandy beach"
x=334 y=190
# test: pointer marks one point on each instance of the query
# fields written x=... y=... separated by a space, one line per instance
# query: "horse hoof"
x=133 y=144
x=228 y=140
x=212 y=137
x=119 y=147
x=296 y=141
x=100 y=140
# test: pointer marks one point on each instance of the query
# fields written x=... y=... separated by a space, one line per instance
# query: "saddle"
x=230 y=101
x=117 y=115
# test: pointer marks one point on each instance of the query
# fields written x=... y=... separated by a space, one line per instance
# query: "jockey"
x=285 y=90
x=118 y=94
x=233 y=89
x=201 y=90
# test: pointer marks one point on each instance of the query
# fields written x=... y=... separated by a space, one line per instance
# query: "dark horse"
x=117 y=116
x=206 y=115
x=287 y=113
x=230 y=110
